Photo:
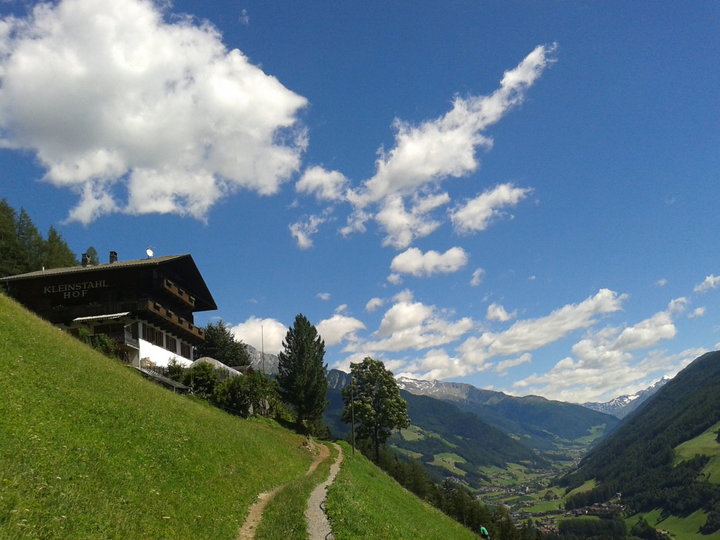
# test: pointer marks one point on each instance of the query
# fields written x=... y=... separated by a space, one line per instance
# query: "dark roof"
x=202 y=293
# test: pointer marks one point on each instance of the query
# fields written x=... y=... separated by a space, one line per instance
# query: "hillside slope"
x=539 y=423
x=645 y=458
x=89 y=449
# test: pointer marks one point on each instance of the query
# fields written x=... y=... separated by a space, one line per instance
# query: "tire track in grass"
x=249 y=527
x=318 y=524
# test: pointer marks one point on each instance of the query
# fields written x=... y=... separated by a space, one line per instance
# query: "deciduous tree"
x=373 y=398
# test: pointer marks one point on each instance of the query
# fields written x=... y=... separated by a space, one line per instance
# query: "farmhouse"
x=147 y=305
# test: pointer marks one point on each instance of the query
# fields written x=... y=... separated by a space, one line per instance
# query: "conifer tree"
x=301 y=373
x=56 y=253
x=11 y=256
x=31 y=241
x=221 y=345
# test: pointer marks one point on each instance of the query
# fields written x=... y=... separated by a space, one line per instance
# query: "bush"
x=202 y=379
x=253 y=394
x=99 y=342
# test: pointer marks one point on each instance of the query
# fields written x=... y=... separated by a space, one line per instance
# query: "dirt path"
x=318 y=524
x=247 y=531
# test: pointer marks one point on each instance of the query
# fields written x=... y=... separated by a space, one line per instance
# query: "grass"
x=91 y=450
x=364 y=502
x=447 y=461
x=705 y=444
x=284 y=516
x=680 y=528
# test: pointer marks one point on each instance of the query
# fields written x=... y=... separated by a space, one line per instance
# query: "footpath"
x=317 y=522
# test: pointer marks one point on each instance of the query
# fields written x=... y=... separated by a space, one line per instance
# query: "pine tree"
x=11 y=257
x=31 y=241
x=221 y=345
x=56 y=253
x=301 y=373
x=373 y=398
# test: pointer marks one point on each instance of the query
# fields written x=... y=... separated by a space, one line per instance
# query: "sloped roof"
x=204 y=299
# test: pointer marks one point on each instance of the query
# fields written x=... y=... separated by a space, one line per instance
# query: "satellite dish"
x=149 y=252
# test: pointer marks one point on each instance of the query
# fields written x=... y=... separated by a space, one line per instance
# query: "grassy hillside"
x=364 y=502
x=89 y=449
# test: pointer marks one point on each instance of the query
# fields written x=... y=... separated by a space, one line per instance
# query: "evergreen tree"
x=31 y=241
x=11 y=256
x=373 y=398
x=301 y=373
x=56 y=253
x=221 y=345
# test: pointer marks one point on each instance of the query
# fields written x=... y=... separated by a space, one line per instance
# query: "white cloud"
x=696 y=313
x=413 y=325
x=477 y=277
x=263 y=334
x=476 y=214
x=403 y=226
x=303 y=231
x=339 y=328
x=419 y=264
x=496 y=312
x=531 y=334
x=710 y=282
x=502 y=367
x=661 y=282
x=646 y=333
x=139 y=115
x=445 y=147
x=580 y=381
x=425 y=155
x=325 y=185
x=373 y=304
x=605 y=360
x=325 y=296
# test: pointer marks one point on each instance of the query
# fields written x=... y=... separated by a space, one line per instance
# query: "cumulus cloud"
x=267 y=334
x=504 y=366
x=137 y=114
x=403 y=226
x=696 y=313
x=373 y=304
x=476 y=214
x=710 y=282
x=419 y=264
x=303 y=231
x=325 y=296
x=606 y=360
x=477 y=277
x=323 y=184
x=413 y=325
x=339 y=328
x=496 y=312
x=530 y=334
x=424 y=155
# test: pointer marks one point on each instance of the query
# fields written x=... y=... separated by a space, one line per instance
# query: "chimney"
x=85 y=259
x=113 y=257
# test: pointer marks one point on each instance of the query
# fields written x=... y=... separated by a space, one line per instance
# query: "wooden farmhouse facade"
x=147 y=306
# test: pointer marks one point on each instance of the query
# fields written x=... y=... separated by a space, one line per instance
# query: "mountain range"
x=621 y=406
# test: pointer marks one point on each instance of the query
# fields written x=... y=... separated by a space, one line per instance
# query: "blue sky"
x=518 y=195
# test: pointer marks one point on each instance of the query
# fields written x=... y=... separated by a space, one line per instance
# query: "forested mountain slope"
x=640 y=460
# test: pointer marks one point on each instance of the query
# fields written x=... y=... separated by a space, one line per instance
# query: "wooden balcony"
x=178 y=293
x=172 y=322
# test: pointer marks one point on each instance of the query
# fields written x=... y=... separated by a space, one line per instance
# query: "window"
x=186 y=351
x=170 y=344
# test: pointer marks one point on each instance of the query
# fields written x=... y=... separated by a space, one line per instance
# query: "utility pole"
x=352 y=414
